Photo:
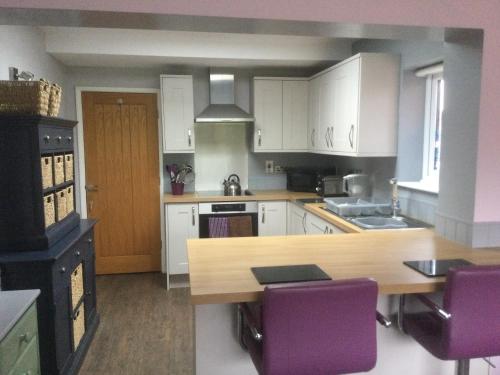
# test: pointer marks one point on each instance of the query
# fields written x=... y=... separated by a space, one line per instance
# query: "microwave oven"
x=306 y=180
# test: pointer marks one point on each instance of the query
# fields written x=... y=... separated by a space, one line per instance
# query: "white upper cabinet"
x=281 y=114
x=268 y=110
x=272 y=218
x=295 y=115
x=357 y=107
x=177 y=113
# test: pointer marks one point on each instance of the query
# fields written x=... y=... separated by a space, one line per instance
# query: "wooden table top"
x=219 y=269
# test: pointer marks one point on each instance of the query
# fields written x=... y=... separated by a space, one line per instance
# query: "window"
x=433 y=126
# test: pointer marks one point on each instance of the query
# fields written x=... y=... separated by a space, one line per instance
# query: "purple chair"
x=468 y=324
x=325 y=327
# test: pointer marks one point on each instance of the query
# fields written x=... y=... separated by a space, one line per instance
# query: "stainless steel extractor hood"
x=222 y=107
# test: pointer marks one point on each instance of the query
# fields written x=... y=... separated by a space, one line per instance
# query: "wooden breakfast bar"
x=220 y=276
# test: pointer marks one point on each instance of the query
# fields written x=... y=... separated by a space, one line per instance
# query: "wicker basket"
x=68 y=167
x=77 y=285
x=47 y=176
x=49 y=208
x=54 y=99
x=70 y=200
x=78 y=326
x=58 y=169
x=61 y=204
x=24 y=97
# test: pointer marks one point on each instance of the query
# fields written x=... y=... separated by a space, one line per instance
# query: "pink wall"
x=482 y=14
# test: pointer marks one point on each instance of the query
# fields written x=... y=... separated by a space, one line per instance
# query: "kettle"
x=232 y=185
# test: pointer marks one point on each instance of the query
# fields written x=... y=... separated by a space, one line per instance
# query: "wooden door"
x=122 y=180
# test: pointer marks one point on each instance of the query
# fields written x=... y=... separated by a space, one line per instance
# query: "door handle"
x=326 y=229
x=259 y=134
x=331 y=135
x=312 y=137
x=263 y=214
x=189 y=137
x=304 y=222
x=193 y=215
x=326 y=137
x=91 y=188
x=351 y=136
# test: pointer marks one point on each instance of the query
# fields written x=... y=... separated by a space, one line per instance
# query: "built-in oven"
x=228 y=219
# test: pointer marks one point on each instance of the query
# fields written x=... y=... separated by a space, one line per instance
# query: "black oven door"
x=229 y=225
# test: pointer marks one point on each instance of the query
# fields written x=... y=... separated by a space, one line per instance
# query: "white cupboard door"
x=296 y=219
x=295 y=115
x=317 y=225
x=313 y=138
x=182 y=224
x=268 y=102
x=326 y=112
x=177 y=113
x=272 y=219
x=346 y=78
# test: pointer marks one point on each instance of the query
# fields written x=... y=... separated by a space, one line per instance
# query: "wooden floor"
x=144 y=329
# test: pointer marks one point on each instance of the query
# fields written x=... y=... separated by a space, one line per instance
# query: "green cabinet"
x=19 y=348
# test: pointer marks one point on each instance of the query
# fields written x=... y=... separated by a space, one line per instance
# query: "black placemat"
x=289 y=274
x=436 y=267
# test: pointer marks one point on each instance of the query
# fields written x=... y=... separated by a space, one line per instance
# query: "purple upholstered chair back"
x=472 y=297
x=320 y=328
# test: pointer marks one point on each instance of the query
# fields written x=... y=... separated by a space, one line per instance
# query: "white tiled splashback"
x=418 y=205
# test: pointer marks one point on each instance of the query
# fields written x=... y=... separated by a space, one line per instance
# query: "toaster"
x=330 y=186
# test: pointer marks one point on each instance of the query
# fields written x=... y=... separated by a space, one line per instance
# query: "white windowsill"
x=431 y=187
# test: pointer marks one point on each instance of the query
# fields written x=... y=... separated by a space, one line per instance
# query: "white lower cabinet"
x=182 y=224
x=272 y=218
x=296 y=219
x=301 y=221
x=316 y=225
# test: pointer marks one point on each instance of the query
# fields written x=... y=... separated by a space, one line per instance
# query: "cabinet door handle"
x=259 y=134
x=331 y=135
x=189 y=137
x=193 y=215
x=304 y=222
x=326 y=229
x=326 y=137
x=351 y=136
x=312 y=137
x=263 y=214
x=46 y=138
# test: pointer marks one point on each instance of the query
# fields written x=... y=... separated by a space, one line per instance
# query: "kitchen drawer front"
x=29 y=363
x=53 y=138
x=65 y=265
x=18 y=340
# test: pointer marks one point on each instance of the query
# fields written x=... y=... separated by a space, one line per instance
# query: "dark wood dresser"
x=43 y=242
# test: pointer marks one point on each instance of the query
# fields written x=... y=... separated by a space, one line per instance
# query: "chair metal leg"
x=401 y=312
x=462 y=367
x=239 y=327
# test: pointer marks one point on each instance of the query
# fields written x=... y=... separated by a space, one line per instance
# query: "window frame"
x=432 y=106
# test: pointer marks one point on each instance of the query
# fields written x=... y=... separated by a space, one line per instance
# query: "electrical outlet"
x=269 y=166
x=278 y=169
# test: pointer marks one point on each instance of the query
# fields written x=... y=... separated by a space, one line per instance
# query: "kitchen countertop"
x=258 y=195
x=219 y=269
x=13 y=304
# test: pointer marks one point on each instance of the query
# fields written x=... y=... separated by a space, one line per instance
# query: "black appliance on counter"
x=307 y=179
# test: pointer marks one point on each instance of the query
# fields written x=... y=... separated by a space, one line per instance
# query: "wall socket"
x=278 y=169
x=269 y=166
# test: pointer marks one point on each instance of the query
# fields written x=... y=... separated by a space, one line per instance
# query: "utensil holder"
x=177 y=188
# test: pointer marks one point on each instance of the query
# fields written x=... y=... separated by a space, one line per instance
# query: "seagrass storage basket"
x=49 y=208
x=58 y=169
x=77 y=285
x=61 y=204
x=54 y=100
x=70 y=200
x=24 y=97
x=68 y=167
x=47 y=176
x=78 y=325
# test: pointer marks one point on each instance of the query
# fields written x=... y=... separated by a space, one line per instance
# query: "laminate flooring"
x=144 y=328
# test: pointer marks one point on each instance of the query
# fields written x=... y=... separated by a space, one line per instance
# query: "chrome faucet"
x=395 y=199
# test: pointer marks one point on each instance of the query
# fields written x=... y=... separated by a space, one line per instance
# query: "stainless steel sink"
x=379 y=222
